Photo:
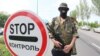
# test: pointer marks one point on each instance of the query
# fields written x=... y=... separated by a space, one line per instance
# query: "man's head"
x=63 y=8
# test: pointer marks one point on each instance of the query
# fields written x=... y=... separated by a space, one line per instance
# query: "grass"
x=3 y=50
x=1 y=40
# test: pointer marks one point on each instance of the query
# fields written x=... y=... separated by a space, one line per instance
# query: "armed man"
x=63 y=33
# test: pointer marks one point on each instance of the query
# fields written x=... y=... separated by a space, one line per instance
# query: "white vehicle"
x=97 y=30
x=85 y=27
x=1 y=31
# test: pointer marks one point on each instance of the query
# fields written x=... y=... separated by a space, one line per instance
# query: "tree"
x=3 y=18
x=82 y=11
x=73 y=13
x=97 y=6
x=87 y=10
x=78 y=12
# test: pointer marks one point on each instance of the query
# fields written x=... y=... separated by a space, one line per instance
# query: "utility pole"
x=37 y=7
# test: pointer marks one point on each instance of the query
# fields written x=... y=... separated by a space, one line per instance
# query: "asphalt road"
x=87 y=45
x=84 y=49
x=91 y=39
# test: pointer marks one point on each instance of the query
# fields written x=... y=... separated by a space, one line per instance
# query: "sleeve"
x=74 y=30
x=51 y=29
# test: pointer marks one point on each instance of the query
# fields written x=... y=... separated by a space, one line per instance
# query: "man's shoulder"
x=69 y=17
x=55 y=18
x=72 y=19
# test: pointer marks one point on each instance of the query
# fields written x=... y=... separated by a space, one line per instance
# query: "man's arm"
x=51 y=34
x=73 y=40
x=67 y=48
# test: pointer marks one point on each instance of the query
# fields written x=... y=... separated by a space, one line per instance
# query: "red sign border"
x=37 y=21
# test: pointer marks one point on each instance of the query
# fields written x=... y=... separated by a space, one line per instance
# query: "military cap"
x=63 y=5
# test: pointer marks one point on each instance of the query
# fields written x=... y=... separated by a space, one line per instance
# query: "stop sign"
x=25 y=34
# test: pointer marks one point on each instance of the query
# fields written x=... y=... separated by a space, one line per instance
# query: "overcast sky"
x=47 y=9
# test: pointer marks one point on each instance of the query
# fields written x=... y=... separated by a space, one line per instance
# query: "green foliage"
x=80 y=24
x=97 y=6
x=3 y=49
x=3 y=18
x=73 y=14
x=82 y=11
x=92 y=24
x=1 y=40
x=87 y=10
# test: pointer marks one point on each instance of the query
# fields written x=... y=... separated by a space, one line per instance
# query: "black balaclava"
x=63 y=10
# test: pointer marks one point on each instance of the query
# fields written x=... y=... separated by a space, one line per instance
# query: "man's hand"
x=67 y=48
x=57 y=43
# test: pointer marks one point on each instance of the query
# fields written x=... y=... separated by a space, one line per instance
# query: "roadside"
x=3 y=49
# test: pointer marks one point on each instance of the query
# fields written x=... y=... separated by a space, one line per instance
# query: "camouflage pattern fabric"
x=66 y=30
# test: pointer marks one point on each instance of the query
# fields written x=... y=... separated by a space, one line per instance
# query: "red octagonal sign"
x=25 y=34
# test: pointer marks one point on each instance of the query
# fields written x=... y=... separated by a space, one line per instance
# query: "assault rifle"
x=56 y=36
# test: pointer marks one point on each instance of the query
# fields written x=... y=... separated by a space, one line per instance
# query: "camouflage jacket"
x=65 y=30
